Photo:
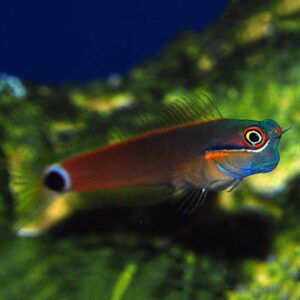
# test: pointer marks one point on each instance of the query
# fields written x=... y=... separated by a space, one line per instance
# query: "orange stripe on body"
x=216 y=154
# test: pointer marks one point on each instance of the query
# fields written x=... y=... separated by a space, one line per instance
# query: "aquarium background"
x=238 y=245
x=56 y=42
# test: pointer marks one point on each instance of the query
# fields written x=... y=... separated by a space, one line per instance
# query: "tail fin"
x=37 y=209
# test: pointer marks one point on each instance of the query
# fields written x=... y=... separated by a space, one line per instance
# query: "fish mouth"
x=278 y=132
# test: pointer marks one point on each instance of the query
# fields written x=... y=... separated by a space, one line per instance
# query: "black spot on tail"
x=55 y=181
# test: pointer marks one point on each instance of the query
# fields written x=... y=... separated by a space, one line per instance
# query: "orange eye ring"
x=254 y=137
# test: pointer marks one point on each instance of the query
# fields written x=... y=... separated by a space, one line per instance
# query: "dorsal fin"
x=189 y=109
x=144 y=118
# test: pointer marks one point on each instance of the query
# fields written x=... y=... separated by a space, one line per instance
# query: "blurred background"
x=76 y=75
x=58 y=42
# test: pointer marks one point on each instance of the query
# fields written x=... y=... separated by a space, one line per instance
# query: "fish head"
x=246 y=147
x=265 y=153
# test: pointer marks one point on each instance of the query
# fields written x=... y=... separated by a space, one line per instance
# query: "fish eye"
x=254 y=137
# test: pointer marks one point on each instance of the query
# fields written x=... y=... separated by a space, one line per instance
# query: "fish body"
x=208 y=155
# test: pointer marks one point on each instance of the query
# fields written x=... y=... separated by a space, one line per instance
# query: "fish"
x=205 y=155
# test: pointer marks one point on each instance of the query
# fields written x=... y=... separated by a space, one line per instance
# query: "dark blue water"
x=59 y=41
